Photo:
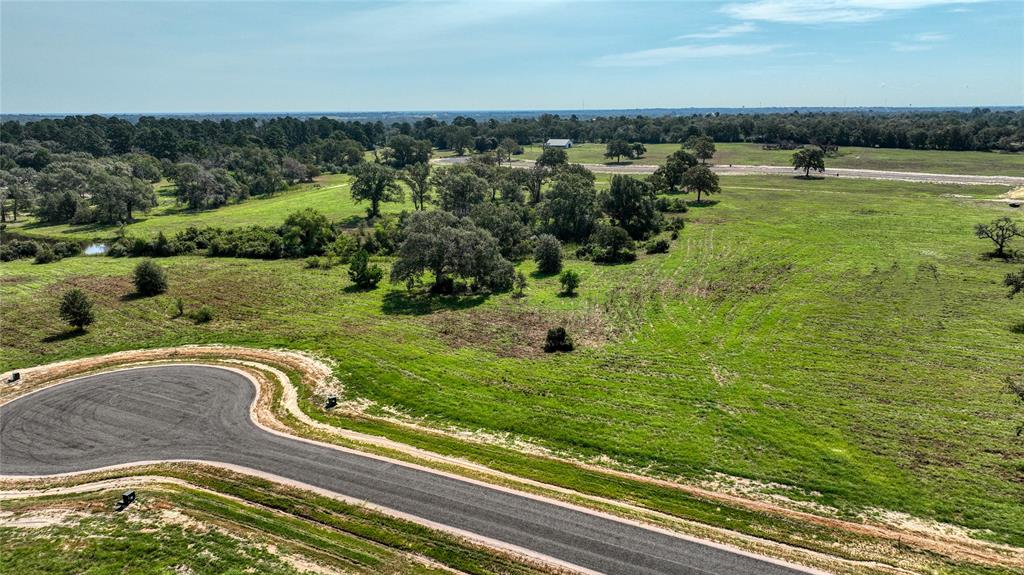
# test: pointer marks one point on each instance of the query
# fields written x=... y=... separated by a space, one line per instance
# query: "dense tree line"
x=326 y=141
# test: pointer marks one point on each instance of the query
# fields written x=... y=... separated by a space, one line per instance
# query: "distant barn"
x=557 y=143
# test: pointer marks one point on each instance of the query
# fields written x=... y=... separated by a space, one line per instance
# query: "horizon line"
x=513 y=110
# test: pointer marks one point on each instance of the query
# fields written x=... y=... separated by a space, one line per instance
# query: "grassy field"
x=259 y=529
x=329 y=194
x=980 y=163
x=845 y=340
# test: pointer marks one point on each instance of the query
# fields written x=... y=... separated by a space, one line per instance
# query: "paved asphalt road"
x=740 y=170
x=195 y=412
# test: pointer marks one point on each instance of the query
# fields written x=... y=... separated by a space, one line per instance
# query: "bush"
x=570 y=280
x=76 y=309
x=362 y=273
x=251 y=242
x=671 y=205
x=150 y=278
x=657 y=247
x=139 y=247
x=46 y=255
x=161 y=247
x=612 y=244
x=548 y=254
x=118 y=250
x=18 y=249
x=320 y=262
x=67 y=249
x=519 y=284
x=557 y=340
x=202 y=315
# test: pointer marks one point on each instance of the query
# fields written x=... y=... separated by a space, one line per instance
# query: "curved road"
x=741 y=170
x=198 y=412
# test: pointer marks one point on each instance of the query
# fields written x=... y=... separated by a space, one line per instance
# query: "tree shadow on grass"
x=702 y=204
x=351 y=221
x=353 y=288
x=64 y=336
x=1008 y=256
x=1018 y=328
x=539 y=275
x=132 y=296
x=811 y=177
x=421 y=302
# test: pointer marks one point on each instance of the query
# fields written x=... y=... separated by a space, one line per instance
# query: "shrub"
x=161 y=247
x=362 y=273
x=612 y=244
x=18 y=249
x=658 y=247
x=343 y=248
x=179 y=307
x=46 y=255
x=548 y=254
x=570 y=280
x=76 y=309
x=321 y=262
x=118 y=250
x=671 y=205
x=202 y=315
x=139 y=247
x=558 y=340
x=67 y=249
x=250 y=242
x=150 y=278
x=675 y=235
x=519 y=284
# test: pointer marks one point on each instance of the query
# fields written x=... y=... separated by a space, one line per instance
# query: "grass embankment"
x=935 y=161
x=842 y=339
x=253 y=525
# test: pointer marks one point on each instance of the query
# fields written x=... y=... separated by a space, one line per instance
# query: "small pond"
x=95 y=249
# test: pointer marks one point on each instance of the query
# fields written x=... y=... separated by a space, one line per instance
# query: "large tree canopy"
x=630 y=203
x=450 y=248
x=570 y=209
x=375 y=183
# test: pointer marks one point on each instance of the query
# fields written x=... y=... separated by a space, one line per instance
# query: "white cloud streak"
x=662 y=56
x=828 y=11
x=723 y=32
x=920 y=42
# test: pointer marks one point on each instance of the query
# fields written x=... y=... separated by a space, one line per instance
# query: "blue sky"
x=234 y=56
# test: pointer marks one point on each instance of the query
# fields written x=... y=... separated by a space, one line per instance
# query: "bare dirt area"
x=266 y=368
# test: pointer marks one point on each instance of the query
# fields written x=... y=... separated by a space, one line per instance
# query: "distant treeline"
x=310 y=140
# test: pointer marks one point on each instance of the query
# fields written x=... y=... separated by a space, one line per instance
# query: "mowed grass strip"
x=894 y=159
x=845 y=339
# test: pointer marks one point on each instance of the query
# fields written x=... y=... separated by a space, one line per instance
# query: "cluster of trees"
x=66 y=188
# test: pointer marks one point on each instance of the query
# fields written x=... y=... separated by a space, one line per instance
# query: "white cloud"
x=827 y=11
x=920 y=42
x=723 y=32
x=931 y=37
x=661 y=56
